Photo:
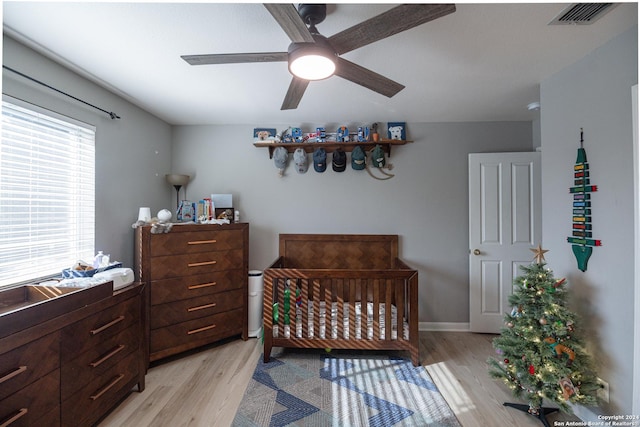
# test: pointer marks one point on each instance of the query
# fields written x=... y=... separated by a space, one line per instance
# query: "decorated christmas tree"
x=541 y=355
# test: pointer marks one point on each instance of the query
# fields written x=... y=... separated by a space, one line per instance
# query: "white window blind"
x=47 y=193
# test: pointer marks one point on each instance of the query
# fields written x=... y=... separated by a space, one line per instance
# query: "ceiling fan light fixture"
x=309 y=61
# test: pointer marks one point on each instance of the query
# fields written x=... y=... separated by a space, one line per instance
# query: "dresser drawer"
x=167 y=290
x=164 y=267
x=217 y=325
x=87 y=333
x=177 y=242
x=87 y=405
x=97 y=360
x=189 y=309
x=26 y=364
x=32 y=404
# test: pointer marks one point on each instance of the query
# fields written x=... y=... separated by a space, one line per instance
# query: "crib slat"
x=352 y=309
x=400 y=299
x=364 y=309
x=304 y=307
x=388 y=295
x=376 y=309
x=339 y=290
x=316 y=308
x=292 y=306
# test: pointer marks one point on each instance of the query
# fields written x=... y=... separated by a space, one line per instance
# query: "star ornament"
x=538 y=254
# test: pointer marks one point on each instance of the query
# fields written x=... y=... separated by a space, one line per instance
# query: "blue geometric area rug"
x=338 y=389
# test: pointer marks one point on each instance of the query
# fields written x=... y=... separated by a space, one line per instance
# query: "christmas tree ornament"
x=582 y=236
x=561 y=349
x=568 y=389
x=532 y=369
x=538 y=254
x=570 y=326
x=542 y=321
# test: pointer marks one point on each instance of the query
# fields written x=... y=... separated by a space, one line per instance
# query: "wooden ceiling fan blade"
x=367 y=78
x=235 y=58
x=294 y=94
x=393 y=21
x=288 y=18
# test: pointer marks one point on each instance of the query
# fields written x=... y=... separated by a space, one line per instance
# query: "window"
x=47 y=192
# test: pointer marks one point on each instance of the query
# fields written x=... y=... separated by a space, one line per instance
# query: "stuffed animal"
x=157 y=227
x=561 y=348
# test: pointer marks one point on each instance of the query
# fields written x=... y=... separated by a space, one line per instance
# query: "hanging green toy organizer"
x=582 y=235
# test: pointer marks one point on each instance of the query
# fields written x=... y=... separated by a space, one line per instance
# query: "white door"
x=504 y=224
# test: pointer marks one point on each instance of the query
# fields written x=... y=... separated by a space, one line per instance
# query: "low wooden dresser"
x=73 y=369
x=198 y=282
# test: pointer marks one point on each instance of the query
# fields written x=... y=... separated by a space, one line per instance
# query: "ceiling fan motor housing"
x=312 y=14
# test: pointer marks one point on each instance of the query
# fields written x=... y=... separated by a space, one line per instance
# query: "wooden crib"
x=341 y=291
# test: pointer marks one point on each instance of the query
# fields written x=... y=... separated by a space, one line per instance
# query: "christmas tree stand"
x=541 y=415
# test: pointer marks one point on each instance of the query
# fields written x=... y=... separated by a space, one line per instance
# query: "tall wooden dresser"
x=198 y=283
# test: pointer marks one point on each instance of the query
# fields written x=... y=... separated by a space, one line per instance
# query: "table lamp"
x=177 y=181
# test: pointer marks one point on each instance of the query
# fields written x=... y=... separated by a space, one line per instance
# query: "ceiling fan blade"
x=367 y=78
x=287 y=16
x=393 y=21
x=235 y=58
x=294 y=94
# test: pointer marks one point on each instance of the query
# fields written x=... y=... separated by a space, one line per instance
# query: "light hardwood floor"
x=204 y=388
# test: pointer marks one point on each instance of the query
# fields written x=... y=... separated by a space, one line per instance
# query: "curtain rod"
x=111 y=114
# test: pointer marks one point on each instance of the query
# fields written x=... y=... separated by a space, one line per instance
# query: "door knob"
x=476 y=251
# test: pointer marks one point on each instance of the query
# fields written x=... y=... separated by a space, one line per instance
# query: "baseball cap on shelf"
x=377 y=156
x=339 y=161
x=320 y=159
x=358 y=158
x=280 y=158
x=300 y=159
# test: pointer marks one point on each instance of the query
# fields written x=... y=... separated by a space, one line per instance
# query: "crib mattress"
x=332 y=321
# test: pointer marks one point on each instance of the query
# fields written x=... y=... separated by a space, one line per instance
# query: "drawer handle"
x=198 y=264
x=201 y=242
x=21 y=413
x=107 y=356
x=195 y=331
x=201 y=307
x=202 y=285
x=108 y=325
x=10 y=375
x=107 y=387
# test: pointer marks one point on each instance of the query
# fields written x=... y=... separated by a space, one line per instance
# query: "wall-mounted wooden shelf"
x=309 y=147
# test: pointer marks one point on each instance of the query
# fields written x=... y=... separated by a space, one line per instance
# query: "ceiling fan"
x=311 y=56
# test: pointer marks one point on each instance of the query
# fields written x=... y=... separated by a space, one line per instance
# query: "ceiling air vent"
x=582 y=13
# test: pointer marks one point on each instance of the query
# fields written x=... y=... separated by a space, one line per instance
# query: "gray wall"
x=426 y=203
x=595 y=94
x=132 y=154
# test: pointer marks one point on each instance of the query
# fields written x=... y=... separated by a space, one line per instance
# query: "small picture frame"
x=264 y=134
x=397 y=130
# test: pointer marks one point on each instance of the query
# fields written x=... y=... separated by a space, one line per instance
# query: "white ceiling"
x=482 y=63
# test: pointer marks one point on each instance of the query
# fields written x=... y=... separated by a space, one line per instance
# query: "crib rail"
x=364 y=309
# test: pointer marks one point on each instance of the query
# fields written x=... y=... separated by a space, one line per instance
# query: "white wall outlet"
x=603 y=392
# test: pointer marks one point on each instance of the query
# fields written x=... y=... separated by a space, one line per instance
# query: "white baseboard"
x=444 y=326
